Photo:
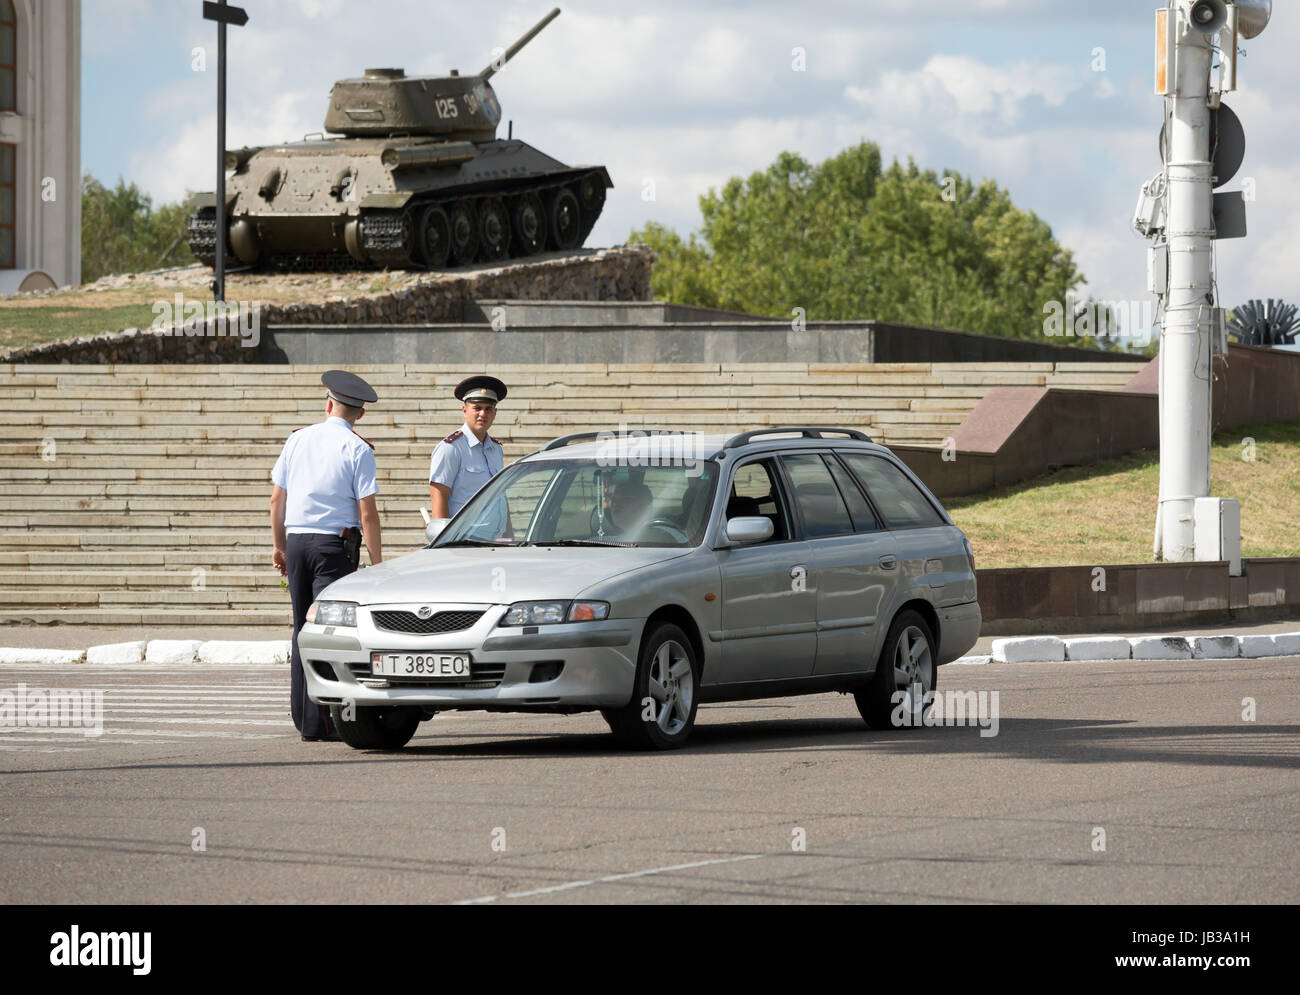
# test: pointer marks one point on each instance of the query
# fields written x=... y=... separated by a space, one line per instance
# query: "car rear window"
x=900 y=501
x=817 y=496
x=864 y=519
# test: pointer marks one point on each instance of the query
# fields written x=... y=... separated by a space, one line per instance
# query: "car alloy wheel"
x=661 y=713
x=672 y=686
x=906 y=668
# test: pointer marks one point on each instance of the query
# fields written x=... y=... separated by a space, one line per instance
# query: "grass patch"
x=28 y=320
x=1105 y=513
x=35 y=325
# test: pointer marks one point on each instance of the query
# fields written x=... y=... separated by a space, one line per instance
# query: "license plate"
x=439 y=666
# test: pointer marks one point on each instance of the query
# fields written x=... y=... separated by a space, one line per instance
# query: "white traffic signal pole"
x=1189 y=307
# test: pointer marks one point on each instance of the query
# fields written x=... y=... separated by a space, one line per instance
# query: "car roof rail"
x=805 y=431
x=565 y=440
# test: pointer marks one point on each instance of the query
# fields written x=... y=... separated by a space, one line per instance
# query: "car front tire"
x=906 y=661
x=661 y=714
x=385 y=728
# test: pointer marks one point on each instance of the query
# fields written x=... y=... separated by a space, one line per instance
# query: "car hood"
x=492 y=574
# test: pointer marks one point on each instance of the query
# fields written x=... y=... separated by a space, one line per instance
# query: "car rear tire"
x=385 y=728
x=906 y=659
x=665 y=687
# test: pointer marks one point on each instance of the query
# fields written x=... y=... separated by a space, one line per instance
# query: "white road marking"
x=13 y=736
x=142 y=704
x=569 y=886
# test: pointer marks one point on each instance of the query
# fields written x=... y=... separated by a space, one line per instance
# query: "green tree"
x=121 y=231
x=848 y=239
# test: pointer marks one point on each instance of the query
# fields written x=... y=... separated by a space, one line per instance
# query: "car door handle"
x=889 y=562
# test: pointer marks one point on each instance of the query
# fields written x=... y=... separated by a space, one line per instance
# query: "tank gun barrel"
x=513 y=50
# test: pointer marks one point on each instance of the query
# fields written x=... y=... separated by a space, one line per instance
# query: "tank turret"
x=411 y=174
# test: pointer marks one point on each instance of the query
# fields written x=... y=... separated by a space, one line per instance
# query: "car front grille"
x=439 y=622
x=481 y=676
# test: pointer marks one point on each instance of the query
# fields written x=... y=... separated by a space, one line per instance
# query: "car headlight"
x=340 y=613
x=550 y=612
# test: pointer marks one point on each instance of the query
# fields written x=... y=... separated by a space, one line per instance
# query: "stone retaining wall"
x=1115 y=597
x=619 y=274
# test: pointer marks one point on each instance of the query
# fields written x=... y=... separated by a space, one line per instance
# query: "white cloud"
x=185 y=160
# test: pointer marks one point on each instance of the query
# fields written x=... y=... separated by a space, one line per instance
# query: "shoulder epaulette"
x=365 y=440
x=454 y=436
x=300 y=428
x=497 y=441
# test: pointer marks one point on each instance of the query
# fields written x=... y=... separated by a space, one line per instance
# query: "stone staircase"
x=137 y=495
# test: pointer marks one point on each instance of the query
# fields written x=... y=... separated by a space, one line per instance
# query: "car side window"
x=864 y=519
x=900 y=502
x=820 y=505
x=754 y=492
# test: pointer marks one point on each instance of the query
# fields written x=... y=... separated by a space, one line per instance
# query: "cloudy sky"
x=1051 y=99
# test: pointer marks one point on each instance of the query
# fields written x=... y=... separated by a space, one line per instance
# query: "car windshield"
x=585 y=502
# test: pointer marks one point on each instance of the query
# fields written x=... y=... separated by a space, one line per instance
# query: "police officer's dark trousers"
x=314 y=562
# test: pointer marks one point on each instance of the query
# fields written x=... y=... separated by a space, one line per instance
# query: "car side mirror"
x=435 y=527
x=749 y=529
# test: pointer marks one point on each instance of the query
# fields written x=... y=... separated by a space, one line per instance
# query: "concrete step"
x=152 y=617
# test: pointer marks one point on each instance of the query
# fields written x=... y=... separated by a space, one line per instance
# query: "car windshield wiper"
x=474 y=542
x=581 y=542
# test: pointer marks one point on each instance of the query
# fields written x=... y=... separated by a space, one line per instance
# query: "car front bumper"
x=511 y=669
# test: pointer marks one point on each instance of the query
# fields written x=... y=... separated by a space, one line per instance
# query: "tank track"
x=388 y=237
x=203 y=235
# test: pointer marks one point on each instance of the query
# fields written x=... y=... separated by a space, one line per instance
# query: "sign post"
x=223 y=14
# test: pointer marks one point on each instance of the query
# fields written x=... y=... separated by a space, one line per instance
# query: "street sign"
x=1227 y=144
x=223 y=13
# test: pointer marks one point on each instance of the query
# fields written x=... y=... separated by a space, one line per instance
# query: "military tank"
x=409 y=173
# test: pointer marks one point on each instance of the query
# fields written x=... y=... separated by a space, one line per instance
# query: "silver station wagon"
x=643 y=574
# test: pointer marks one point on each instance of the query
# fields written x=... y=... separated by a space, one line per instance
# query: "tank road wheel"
x=591 y=195
x=566 y=219
x=530 y=224
x=464 y=232
x=435 y=237
x=493 y=228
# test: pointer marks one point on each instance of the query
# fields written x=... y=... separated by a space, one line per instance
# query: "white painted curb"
x=18 y=654
x=171 y=650
x=1253 y=647
x=1216 y=647
x=971 y=661
x=1161 y=648
x=1286 y=644
x=116 y=653
x=1098 y=648
x=1029 y=649
x=241 y=651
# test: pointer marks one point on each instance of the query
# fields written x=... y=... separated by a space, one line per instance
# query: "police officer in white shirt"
x=467 y=459
x=324 y=489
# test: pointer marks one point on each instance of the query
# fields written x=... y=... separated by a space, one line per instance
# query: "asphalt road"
x=1196 y=804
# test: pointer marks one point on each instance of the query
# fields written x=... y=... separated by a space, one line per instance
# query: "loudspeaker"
x=1252 y=16
x=1208 y=16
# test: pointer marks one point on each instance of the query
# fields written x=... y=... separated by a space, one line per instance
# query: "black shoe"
x=329 y=737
